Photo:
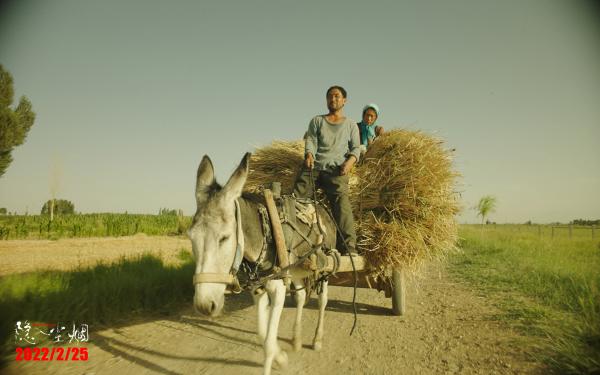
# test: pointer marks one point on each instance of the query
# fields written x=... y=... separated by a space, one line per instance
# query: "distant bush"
x=61 y=207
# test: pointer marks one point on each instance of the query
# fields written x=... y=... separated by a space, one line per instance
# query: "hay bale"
x=280 y=161
x=402 y=193
x=405 y=203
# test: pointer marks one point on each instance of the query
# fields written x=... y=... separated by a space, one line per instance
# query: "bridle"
x=231 y=277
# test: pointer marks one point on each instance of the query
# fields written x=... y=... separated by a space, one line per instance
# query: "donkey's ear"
x=205 y=178
x=233 y=187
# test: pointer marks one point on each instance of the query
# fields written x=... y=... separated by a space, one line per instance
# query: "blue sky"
x=130 y=94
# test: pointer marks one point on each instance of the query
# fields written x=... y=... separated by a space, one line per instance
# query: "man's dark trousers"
x=336 y=189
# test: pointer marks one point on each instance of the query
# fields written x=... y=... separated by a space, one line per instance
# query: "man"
x=332 y=147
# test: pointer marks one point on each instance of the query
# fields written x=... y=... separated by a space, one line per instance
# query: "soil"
x=448 y=328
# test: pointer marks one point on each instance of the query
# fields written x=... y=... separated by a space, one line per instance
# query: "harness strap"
x=239 y=249
x=267 y=237
x=304 y=236
x=219 y=278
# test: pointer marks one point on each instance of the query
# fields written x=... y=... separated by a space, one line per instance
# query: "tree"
x=14 y=124
x=61 y=207
x=486 y=206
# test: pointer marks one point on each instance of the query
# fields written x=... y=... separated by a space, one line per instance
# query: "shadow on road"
x=119 y=348
x=346 y=307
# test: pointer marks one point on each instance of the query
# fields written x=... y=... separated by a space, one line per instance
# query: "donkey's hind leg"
x=276 y=291
x=318 y=340
x=300 y=297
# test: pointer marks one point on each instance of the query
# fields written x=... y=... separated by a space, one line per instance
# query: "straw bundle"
x=405 y=201
x=281 y=161
x=401 y=192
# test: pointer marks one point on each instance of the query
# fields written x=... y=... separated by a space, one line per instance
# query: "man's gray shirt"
x=331 y=144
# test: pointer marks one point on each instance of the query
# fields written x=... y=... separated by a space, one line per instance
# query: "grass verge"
x=548 y=288
x=103 y=294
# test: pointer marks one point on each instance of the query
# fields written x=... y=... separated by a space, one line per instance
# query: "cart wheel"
x=398 y=292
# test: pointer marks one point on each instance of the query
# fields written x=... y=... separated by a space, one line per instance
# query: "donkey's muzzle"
x=208 y=301
x=208 y=308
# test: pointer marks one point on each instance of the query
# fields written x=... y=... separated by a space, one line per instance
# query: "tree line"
x=585 y=222
x=66 y=207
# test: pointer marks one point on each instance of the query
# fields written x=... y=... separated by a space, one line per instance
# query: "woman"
x=367 y=128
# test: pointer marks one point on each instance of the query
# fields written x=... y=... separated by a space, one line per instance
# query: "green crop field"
x=106 y=293
x=547 y=285
x=89 y=225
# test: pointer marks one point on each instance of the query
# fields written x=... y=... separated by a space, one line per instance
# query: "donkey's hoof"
x=281 y=359
x=317 y=345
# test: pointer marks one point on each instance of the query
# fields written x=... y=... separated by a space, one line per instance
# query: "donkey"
x=224 y=224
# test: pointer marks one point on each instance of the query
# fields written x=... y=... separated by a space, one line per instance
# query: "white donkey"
x=226 y=226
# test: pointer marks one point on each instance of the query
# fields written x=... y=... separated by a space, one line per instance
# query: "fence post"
x=570 y=231
x=553 y=231
x=540 y=230
x=593 y=229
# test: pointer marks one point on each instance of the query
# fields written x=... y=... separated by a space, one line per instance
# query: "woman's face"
x=369 y=116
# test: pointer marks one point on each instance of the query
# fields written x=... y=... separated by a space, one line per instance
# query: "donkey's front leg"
x=300 y=298
x=276 y=291
x=261 y=300
x=318 y=340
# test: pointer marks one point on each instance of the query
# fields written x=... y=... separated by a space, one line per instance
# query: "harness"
x=291 y=208
x=290 y=211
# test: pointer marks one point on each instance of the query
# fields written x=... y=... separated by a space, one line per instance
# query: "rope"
x=282 y=272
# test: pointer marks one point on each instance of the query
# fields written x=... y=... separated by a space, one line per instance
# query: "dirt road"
x=448 y=329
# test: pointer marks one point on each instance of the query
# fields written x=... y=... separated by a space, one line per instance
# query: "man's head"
x=336 y=98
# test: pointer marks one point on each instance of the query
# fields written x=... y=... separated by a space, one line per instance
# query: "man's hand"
x=347 y=165
x=309 y=161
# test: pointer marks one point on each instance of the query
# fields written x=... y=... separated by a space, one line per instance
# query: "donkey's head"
x=214 y=234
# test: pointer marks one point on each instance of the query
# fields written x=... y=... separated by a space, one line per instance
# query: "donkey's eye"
x=223 y=239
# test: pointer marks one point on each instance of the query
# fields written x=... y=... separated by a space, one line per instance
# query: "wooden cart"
x=393 y=287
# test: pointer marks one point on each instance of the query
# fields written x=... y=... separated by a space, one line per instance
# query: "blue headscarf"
x=368 y=131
